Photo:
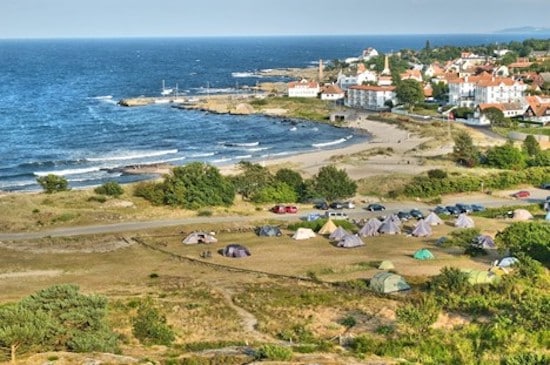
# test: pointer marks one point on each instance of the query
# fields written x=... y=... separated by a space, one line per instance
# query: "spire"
x=386 y=71
x=321 y=70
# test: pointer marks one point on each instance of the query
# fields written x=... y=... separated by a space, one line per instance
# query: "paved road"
x=357 y=213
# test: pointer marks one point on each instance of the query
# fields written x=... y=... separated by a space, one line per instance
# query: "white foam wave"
x=85 y=170
x=276 y=154
x=103 y=97
x=206 y=154
x=220 y=160
x=133 y=155
x=166 y=160
x=242 y=157
x=256 y=149
x=244 y=74
x=242 y=144
x=331 y=143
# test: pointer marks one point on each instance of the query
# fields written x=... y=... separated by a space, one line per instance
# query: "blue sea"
x=59 y=112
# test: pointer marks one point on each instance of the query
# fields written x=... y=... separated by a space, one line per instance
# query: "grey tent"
x=370 y=228
x=338 y=234
x=395 y=218
x=463 y=221
x=433 y=219
x=268 y=231
x=235 y=250
x=507 y=262
x=199 y=237
x=386 y=265
x=422 y=229
x=385 y=282
x=350 y=241
x=389 y=227
x=484 y=241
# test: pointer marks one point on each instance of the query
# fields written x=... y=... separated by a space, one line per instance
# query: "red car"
x=279 y=209
x=522 y=194
x=291 y=209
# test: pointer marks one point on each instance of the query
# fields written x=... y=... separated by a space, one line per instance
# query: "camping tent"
x=522 y=215
x=484 y=241
x=481 y=277
x=328 y=227
x=441 y=240
x=389 y=227
x=395 y=219
x=423 y=254
x=199 y=237
x=338 y=234
x=350 y=241
x=507 y=262
x=386 y=265
x=422 y=229
x=370 y=228
x=463 y=221
x=303 y=234
x=269 y=231
x=385 y=282
x=433 y=219
x=235 y=250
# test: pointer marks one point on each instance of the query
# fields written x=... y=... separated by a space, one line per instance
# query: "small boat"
x=166 y=91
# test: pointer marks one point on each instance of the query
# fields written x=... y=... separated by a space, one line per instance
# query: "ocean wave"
x=132 y=155
x=103 y=97
x=242 y=157
x=80 y=171
x=158 y=162
x=255 y=149
x=220 y=160
x=331 y=143
x=93 y=177
x=276 y=154
x=244 y=74
x=205 y=154
x=241 y=144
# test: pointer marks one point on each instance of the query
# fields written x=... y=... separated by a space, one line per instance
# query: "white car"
x=349 y=205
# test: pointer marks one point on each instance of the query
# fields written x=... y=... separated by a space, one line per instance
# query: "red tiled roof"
x=538 y=106
x=303 y=84
x=332 y=89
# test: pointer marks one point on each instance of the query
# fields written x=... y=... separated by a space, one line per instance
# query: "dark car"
x=453 y=209
x=545 y=185
x=375 y=207
x=441 y=210
x=321 y=205
x=337 y=205
x=477 y=208
x=464 y=208
x=415 y=213
x=404 y=216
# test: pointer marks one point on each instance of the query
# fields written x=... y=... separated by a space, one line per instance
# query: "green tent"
x=481 y=277
x=386 y=282
x=423 y=254
x=386 y=265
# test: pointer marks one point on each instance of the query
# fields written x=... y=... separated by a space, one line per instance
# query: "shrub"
x=437 y=174
x=53 y=183
x=530 y=238
x=151 y=191
x=111 y=188
x=97 y=198
x=204 y=213
x=149 y=326
x=275 y=353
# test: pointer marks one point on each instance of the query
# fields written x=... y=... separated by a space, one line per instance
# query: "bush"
x=97 y=198
x=275 y=353
x=530 y=238
x=437 y=174
x=151 y=191
x=52 y=183
x=149 y=326
x=111 y=188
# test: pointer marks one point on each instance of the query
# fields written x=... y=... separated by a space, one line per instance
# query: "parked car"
x=349 y=205
x=279 y=209
x=291 y=209
x=415 y=213
x=336 y=205
x=336 y=214
x=404 y=216
x=440 y=210
x=375 y=207
x=453 y=209
x=464 y=208
x=321 y=205
x=477 y=208
x=545 y=185
x=522 y=194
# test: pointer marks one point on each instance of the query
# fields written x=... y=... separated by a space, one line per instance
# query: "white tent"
x=350 y=241
x=522 y=215
x=422 y=229
x=463 y=221
x=433 y=219
x=328 y=227
x=338 y=234
x=199 y=237
x=370 y=228
x=303 y=234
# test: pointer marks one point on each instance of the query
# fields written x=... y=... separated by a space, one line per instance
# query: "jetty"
x=148 y=100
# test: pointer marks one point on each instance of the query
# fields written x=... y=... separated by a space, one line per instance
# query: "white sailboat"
x=166 y=91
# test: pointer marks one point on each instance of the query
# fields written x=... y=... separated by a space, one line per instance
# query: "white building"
x=370 y=97
x=366 y=76
x=462 y=89
x=303 y=89
x=499 y=90
x=332 y=92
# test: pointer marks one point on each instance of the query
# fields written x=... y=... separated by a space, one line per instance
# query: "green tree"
x=506 y=157
x=291 y=178
x=464 y=151
x=508 y=58
x=150 y=326
x=53 y=183
x=111 y=188
x=410 y=93
x=22 y=329
x=440 y=90
x=332 y=183
x=496 y=117
x=252 y=179
x=277 y=192
x=530 y=238
x=531 y=146
x=540 y=159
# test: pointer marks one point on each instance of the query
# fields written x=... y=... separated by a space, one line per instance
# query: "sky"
x=192 y=18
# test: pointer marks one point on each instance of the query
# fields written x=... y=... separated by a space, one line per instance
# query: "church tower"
x=386 y=71
x=321 y=75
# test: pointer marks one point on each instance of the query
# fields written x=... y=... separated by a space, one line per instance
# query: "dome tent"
x=385 y=282
x=423 y=254
x=268 y=231
x=199 y=237
x=328 y=227
x=507 y=262
x=235 y=250
x=422 y=229
x=484 y=241
x=386 y=265
x=522 y=215
x=433 y=219
x=481 y=276
x=350 y=241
